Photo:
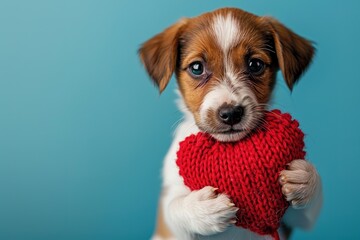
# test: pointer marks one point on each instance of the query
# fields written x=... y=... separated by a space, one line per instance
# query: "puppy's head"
x=225 y=64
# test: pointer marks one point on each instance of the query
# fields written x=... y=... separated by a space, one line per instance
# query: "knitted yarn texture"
x=247 y=170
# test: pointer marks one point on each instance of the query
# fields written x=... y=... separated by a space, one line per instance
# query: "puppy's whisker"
x=177 y=122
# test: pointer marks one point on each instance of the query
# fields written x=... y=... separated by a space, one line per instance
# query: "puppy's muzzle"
x=230 y=115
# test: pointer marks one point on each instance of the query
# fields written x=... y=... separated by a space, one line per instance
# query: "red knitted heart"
x=248 y=170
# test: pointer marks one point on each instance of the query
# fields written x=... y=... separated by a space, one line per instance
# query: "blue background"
x=83 y=132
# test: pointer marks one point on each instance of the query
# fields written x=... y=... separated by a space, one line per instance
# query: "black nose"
x=231 y=115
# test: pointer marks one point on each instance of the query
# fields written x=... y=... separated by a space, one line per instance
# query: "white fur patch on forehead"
x=226 y=30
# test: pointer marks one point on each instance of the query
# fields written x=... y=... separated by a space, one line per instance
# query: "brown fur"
x=202 y=48
x=161 y=228
x=159 y=54
x=294 y=53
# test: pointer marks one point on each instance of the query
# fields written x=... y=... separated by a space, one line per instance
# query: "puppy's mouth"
x=227 y=134
x=231 y=131
x=223 y=131
x=231 y=135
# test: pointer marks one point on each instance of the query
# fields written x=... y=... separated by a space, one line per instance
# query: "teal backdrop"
x=83 y=131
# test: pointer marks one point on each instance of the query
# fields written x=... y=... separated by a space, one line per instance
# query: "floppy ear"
x=294 y=53
x=159 y=54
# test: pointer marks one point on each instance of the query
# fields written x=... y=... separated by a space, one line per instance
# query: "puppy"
x=225 y=64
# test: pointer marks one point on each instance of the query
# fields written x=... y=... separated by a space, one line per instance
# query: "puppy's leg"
x=301 y=185
x=162 y=231
x=203 y=212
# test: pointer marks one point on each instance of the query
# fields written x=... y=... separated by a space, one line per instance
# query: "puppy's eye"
x=256 y=66
x=196 y=68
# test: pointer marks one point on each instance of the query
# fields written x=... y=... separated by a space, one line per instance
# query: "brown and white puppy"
x=225 y=64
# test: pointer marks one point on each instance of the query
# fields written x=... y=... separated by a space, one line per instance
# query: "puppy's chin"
x=229 y=137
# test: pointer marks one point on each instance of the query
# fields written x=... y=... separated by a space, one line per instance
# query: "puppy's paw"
x=208 y=211
x=299 y=183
